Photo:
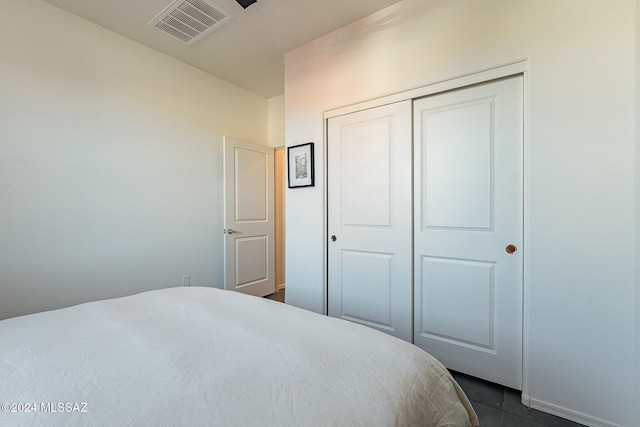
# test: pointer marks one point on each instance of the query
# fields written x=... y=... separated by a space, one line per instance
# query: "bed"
x=195 y=356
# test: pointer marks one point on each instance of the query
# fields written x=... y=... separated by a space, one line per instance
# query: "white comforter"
x=206 y=357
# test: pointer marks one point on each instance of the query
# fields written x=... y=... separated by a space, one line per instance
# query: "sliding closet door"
x=369 y=218
x=468 y=181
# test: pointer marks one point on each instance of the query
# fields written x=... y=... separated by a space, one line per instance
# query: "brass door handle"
x=511 y=249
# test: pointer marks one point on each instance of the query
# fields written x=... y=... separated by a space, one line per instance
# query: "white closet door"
x=369 y=218
x=468 y=154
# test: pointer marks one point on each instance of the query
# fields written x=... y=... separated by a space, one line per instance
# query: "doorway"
x=280 y=183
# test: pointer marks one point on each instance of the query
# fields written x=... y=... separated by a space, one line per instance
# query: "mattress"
x=196 y=356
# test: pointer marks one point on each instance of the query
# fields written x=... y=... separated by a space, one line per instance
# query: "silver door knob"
x=231 y=231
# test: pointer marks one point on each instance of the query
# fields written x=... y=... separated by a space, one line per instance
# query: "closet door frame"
x=516 y=68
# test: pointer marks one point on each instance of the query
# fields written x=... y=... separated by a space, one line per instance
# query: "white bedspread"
x=206 y=357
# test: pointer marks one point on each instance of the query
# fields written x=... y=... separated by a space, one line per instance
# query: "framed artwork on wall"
x=300 y=164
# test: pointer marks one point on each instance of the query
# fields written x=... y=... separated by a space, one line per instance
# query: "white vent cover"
x=190 y=20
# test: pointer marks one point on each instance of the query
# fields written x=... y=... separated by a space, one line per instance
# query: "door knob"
x=334 y=238
x=231 y=231
x=511 y=249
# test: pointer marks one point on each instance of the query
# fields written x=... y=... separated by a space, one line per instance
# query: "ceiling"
x=248 y=50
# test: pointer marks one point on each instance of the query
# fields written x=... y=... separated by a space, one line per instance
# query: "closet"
x=425 y=224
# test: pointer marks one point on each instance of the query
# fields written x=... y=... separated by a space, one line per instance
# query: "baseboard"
x=279 y=287
x=565 y=413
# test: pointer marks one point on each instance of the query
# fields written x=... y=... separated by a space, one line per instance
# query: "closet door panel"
x=457 y=164
x=370 y=218
x=468 y=154
x=447 y=282
x=367 y=288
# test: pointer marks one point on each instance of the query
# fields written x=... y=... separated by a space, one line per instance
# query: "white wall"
x=637 y=212
x=276 y=121
x=110 y=162
x=579 y=253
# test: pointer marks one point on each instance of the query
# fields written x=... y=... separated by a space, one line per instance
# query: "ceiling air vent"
x=190 y=20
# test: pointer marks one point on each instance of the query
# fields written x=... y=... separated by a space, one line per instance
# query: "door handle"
x=334 y=238
x=511 y=249
x=232 y=231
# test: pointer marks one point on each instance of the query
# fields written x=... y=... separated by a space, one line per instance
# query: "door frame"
x=479 y=77
x=279 y=216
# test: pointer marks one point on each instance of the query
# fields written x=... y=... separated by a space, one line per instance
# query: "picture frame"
x=301 y=165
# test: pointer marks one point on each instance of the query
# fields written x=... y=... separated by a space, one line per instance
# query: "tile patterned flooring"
x=495 y=405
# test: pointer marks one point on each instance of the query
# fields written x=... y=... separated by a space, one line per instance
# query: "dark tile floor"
x=497 y=406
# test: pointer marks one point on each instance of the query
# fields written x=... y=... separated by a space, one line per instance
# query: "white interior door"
x=369 y=218
x=248 y=217
x=468 y=154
